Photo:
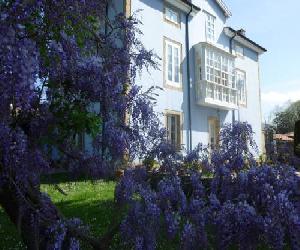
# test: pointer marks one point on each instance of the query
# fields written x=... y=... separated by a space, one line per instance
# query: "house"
x=209 y=72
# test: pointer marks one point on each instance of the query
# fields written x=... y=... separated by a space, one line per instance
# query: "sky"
x=275 y=25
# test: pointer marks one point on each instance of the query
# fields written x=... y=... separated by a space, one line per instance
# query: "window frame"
x=241 y=72
x=172 y=83
x=216 y=123
x=178 y=129
x=208 y=19
x=169 y=20
x=225 y=76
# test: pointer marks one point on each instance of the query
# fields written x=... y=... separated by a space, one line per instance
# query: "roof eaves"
x=246 y=39
x=224 y=8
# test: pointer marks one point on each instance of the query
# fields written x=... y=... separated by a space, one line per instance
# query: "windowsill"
x=243 y=105
x=169 y=85
x=240 y=56
x=177 y=25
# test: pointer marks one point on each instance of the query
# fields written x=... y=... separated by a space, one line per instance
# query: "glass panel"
x=173 y=129
x=210 y=27
x=219 y=72
x=219 y=93
x=176 y=64
x=170 y=66
x=241 y=86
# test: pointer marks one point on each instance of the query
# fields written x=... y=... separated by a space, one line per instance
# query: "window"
x=172 y=15
x=239 y=50
x=210 y=28
x=213 y=132
x=173 y=129
x=172 y=63
x=219 y=76
x=241 y=86
x=219 y=68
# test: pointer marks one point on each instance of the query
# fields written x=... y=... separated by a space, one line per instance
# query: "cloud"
x=279 y=98
x=272 y=99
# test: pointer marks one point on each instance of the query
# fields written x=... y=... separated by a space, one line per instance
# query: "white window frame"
x=220 y=85
x=210 y=27
x=213 y=132
x=242 y=91
x=172 y=69
x=177 y=132
x=174 y=12
x=219 y=68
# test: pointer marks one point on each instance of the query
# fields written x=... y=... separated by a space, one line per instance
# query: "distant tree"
x=284 y=121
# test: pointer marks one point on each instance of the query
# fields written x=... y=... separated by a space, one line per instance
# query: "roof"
x=221 y=4
x=224 y=8
x=284 y=137
x=241 y=38
x=184 y=5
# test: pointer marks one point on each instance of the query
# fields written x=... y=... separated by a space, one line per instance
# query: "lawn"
x=93 y=203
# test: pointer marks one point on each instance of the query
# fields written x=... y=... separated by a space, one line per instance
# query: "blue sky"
x=275 y=25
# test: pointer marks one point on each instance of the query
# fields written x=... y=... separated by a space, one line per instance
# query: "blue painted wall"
x=154 y=29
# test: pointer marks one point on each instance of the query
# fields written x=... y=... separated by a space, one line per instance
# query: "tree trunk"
x=30 y=224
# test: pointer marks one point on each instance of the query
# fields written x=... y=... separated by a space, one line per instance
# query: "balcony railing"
x=216 y=95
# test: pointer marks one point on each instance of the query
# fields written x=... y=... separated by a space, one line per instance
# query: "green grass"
x=93 y=203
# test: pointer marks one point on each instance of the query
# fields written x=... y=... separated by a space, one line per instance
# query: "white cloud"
x=279 y=98
x=272 y=99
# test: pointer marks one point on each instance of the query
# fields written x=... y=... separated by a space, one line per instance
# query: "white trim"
x=243 y=73
x=175 y=71
x=210 y=20
x=169 y=9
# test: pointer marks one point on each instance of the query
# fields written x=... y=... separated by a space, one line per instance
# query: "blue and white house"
x=209 y=72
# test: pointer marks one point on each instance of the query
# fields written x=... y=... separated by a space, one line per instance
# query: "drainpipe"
x=231 y=40
x=187 y=44
x=230 y=48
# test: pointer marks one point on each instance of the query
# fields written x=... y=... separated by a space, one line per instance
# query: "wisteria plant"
x=67 y=70
x=245 y=206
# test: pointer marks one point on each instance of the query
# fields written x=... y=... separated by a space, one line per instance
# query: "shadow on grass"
x=65 y=177
x=99 y=215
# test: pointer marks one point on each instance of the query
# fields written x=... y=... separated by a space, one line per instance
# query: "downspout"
x=230 y=49
x=231 y=40
x=187 y=46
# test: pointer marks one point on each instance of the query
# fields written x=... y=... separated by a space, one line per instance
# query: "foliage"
x=284 y=121
x=66 y=70
x=246 y=206
x=91 y=201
